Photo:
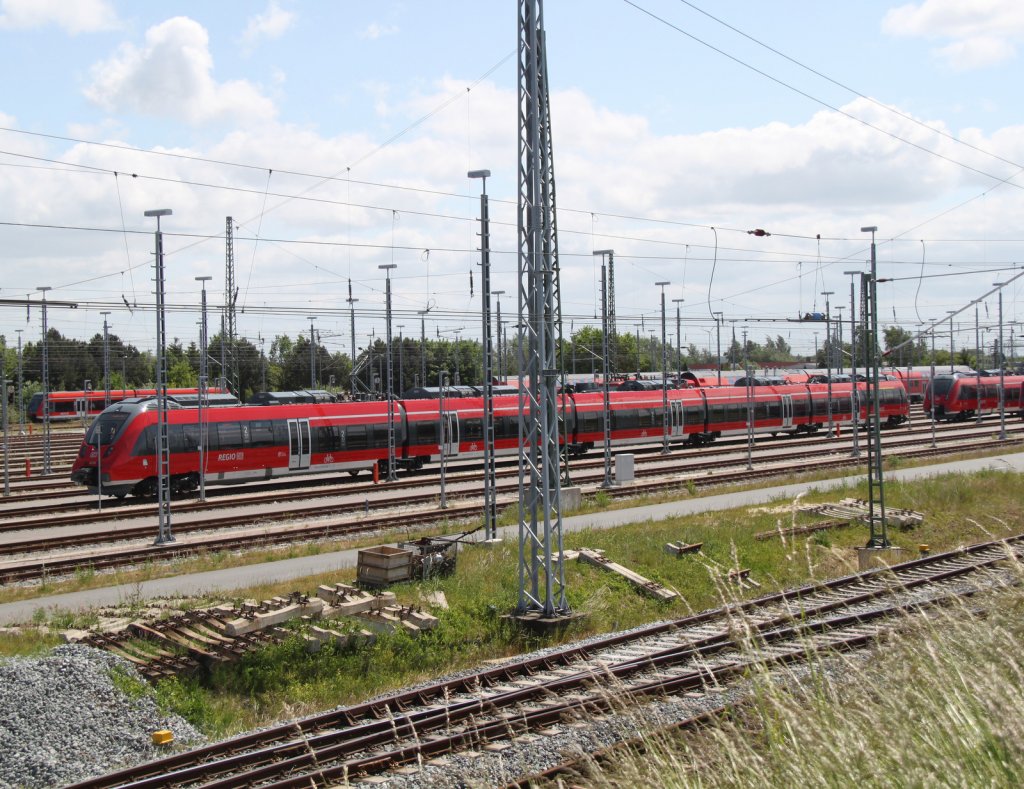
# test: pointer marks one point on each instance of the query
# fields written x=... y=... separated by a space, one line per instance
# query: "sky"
x=338 y=136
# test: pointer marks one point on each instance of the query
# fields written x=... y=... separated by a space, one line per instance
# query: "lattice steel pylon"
x=230 y=300
x=541 y=573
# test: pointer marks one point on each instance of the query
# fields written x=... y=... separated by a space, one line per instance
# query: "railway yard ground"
x=935 y=692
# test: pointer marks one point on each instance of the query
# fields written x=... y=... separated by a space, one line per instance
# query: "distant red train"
x=66 y=406
x=962 y=396
x=259 y=442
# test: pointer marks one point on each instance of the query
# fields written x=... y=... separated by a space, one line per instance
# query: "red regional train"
x=958 y=397
x=260 y=442
x=65 y=406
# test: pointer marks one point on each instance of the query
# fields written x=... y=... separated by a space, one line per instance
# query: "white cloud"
x=981 y=33
x=272 y=23
x=375 y=30
x=78 y=16
x=171 y=76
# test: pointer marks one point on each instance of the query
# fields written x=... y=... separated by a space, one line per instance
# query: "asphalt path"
x=226 y=582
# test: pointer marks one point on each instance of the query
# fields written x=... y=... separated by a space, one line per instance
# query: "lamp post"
x=401 y=359
x=605 y=389
x=977 y=365
x=879 y=537
x=423 y=346
x=679 y=340
x=828 y=356
x=312 y=352
x=664 y=374
x=5 y=426
x=718 y=316
x=500 y=355
x=1002 y=367
x=106 y=362
x=854 y=389
x=749 y=380
x=46 y=387
x=21 y=400
x=386 y=268
x=163 y=463
x=951 y=313
x=204 y=381
x=490 y=481
x=838 y=341
x=931 y=385
x=353 y=380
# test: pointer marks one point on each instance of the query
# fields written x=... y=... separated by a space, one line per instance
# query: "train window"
x=62 y=407
x=472 y=429
x=426 y=432
x=107 y=427
x=280 y=432
x=625 y=419
x=190 y=438
x=146 y=442
x=694 y=415
x=175 y=439
x=229 y=435
x=378 y=436
x=327 y=439
x=717 y=413
x=800 y=406
x=355 y=437
x=589 y=422
x=261 y=434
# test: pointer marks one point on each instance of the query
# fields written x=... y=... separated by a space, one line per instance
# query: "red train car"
x=961 y=396
x=66 y=406
x=259 y=442
x=914 y=381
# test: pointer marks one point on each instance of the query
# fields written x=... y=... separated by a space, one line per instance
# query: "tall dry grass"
x=940 y=703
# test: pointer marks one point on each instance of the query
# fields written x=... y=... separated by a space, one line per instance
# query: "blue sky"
x=657 y=139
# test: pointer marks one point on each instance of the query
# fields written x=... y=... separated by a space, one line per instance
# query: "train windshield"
x=942 y=386
x=106 y=427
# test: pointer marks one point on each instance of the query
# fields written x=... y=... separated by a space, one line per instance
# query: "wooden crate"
x=383 y=565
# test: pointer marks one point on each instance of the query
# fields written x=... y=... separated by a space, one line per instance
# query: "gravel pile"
x=63 y=720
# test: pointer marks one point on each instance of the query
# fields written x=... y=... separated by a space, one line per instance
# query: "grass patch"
x=939 y=706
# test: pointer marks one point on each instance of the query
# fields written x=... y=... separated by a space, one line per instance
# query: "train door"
x=82 y=407
x=787 y=410
x=450 y=433
x=676 y=417
x=298 y=444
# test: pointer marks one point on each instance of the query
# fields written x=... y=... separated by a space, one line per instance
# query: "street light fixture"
x=106 y=361
x=664 y=374
x=1002 y=367
x=718 y=316
x=391 y=475
x=163 y=462
x=46 y=387
x=204 y=380
x=951 y=313
x=854 y=389
x=490 y=480
x=605 y=387
x=879 y=537
x=828 y=356
x=679 y=341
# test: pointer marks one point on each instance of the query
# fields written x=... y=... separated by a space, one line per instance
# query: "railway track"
x=529 y=695
x=420 y=510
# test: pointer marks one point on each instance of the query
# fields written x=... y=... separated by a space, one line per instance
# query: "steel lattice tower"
x=541 y=573
x=230 y=299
